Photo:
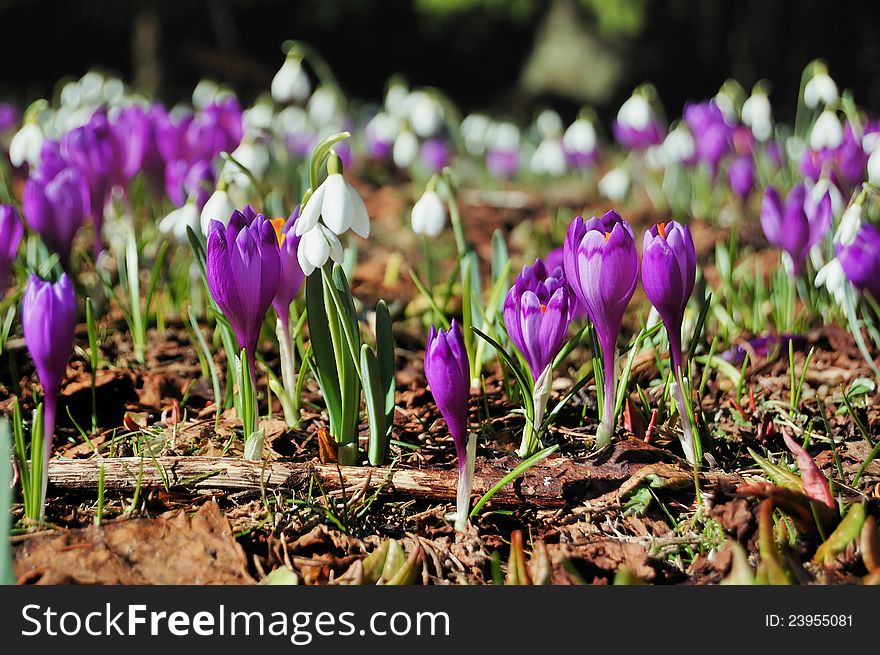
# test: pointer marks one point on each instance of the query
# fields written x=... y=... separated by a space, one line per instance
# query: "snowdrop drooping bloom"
x=26 y=145
x=178 y=220
x=821 y=88
x=291 y=82
x=405 y=149
x=758 y=115
x=254 y=156
x=679 y=146
x=636 y=127
x=827 y=131
x=315 y=247
x=429 y=214
x=874 y=167
x=425 y=113
x=218 y=208
x=579 y=143
x=548 y=158
x=614 y=185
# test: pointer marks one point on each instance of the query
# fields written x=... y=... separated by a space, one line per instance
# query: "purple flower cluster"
x=798 y=224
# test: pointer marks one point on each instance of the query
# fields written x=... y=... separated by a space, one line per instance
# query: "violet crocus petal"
x=819 y=217
x=48 y=318
x=679 y=238
x=55 y=209
x=860 y=260
x=771 y=217
x=530 y=315
x=554 y=328
x=662 y=279
x=11 y=232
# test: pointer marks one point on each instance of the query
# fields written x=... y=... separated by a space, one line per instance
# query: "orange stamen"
x=278 y=224
x=543 y=308
x=607 y=236
x=661 y=229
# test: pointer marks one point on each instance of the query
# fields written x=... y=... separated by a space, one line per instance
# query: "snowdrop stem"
x=288 y=371
x=445 y=189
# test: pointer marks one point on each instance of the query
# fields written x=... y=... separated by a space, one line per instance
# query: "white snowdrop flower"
x=254 y=157
x=292 y=120
x=504 y=136
x=833 y=278
x=340 y=206
x=316 y=246
x=635 y=113
x=322 y=106
x=758 y=115
x=871 y=142
x=474 y=130
x=405 y=150
x=548 y=158
x=614 y=185
x=655 y=158
x=176 y=222
x=821 y=88
x=580 y=136
x=396 y=99
x=382 y=127
x=26 y=145
x=112 y=90
x=874 y=167
x=679 y=145
x=291 y=82
x=822 y=186
x=258 y=118
x=726 y=104
x=71 y=94
x=429 y=214
x=204 y=93
x=91 y=84
x=425 y=114
x=549 y=124
x=850 y=224
x=218 y=208
x=827 y=131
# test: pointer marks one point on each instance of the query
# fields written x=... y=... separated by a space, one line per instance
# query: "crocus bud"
x=337 y=203
x=55 y=209
x=798 y=225
x=429 y=214
x=860 y=260
x=11 y=231
x=536 y=314
x=292 y=276
x=291 y=83
x=741 y=176
x=602 y=267
x=48 y=321
x=244 y=270
x=448 y=375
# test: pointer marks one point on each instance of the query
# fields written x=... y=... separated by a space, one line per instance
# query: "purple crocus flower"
x=602 y=267
x=669 y=268
x=244 y=270
x=556 y=258
x=536 y=314
x=55 y=208
x=798 y=225
x=11 y=231
x=9 y=116
x=48 y=321
x=860 y=260
x=136 y=131
x=712 y=134
x=448 y=375
x=292 y=276
x=183 y=179
x=217 y=128
x=51 y=160
x=636 y=127
x=741 y=176
x=435 y=154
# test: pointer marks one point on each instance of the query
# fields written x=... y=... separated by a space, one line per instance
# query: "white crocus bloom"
x=339 y=204
x=874 y=167
x=679 y=145
x=26 y=145
x=322 y=106
x=821 y=88
x=218 y=208
x=580 y=136
x=179 y=219
x=405 y=150
x=758 y=115
x=827 y=131
x=635 y=113
x=429 y=215
x=614 y=185
x=548 y=158
x=316 y=246
x=291 y=82
x=425 y=114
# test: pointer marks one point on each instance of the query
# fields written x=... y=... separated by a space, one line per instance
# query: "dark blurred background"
x=506 y=56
